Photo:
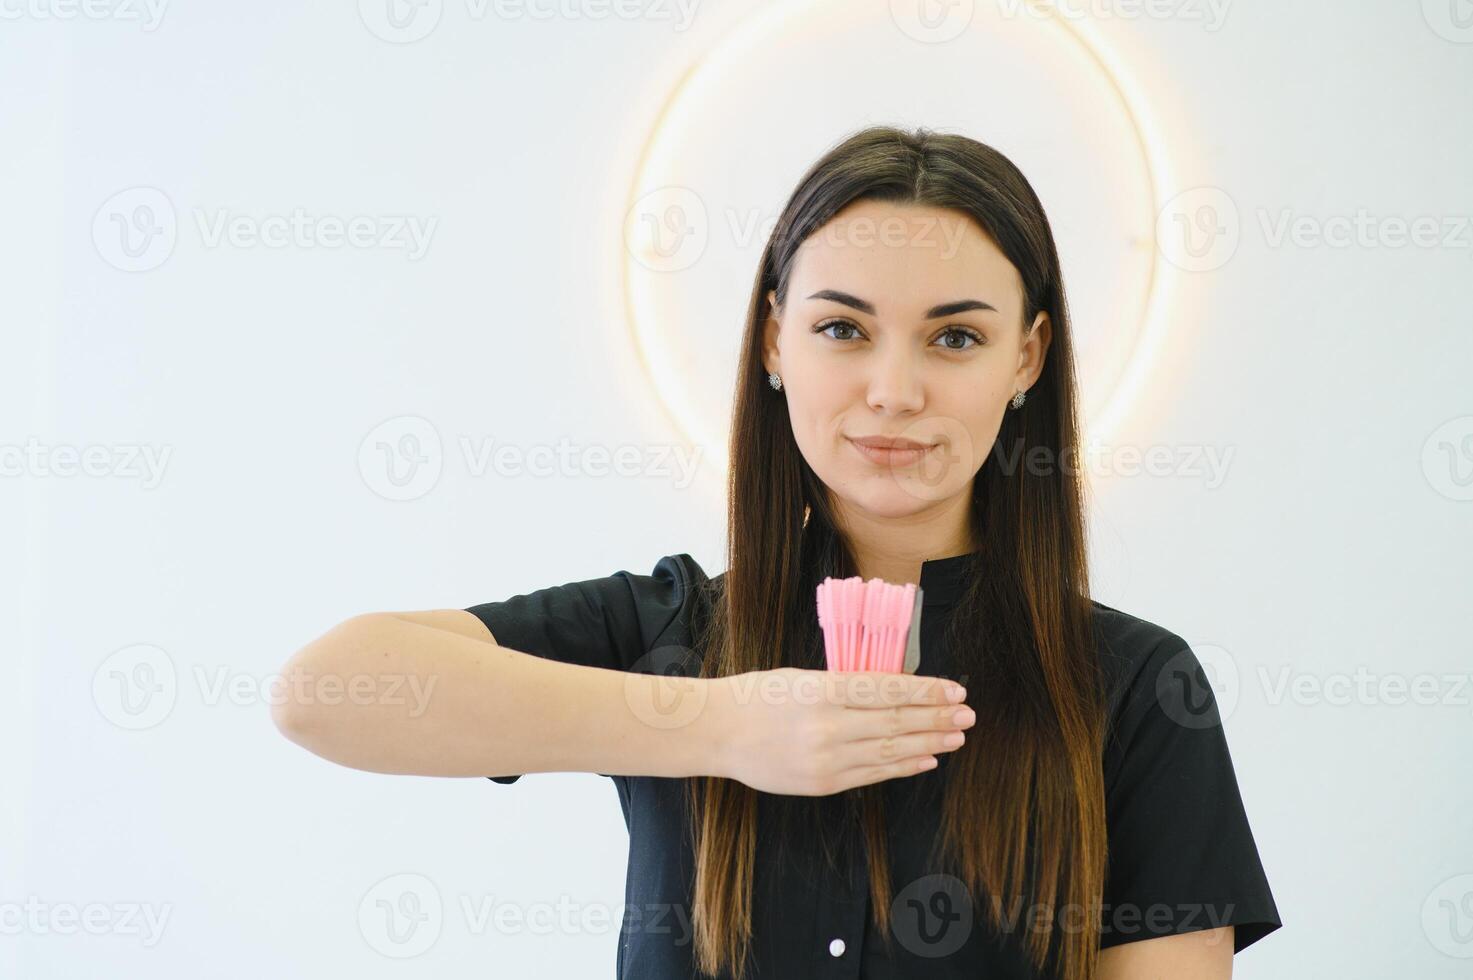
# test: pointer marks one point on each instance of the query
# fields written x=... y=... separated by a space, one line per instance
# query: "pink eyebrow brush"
x=872 y=625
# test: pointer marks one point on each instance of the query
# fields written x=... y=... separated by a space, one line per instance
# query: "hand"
x=818 y=732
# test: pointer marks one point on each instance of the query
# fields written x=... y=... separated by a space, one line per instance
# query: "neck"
x=893 y=549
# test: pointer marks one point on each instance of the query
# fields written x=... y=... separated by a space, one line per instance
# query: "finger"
x=906 y=719
x=866 y=775
x=893 y=748
x=886 y=689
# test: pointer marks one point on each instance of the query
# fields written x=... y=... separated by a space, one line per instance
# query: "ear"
x=1033 y=352
x=771 y=355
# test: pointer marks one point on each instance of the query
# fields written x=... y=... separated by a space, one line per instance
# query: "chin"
x=894 y=498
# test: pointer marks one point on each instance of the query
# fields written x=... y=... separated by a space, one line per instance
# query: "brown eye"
x=964 y=334
x=828 y=325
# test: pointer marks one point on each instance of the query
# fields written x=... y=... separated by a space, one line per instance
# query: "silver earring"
x=1018 y=399
x=775 y=381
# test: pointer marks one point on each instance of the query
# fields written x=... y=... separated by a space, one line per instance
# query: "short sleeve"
x=1181 y=855
x=610 y=622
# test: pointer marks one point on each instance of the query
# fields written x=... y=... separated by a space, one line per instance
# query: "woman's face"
x=902 y=323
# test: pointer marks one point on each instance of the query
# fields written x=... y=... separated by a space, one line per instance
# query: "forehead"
x=905 y=258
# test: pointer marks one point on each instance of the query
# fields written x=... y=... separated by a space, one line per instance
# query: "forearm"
x=443 y=704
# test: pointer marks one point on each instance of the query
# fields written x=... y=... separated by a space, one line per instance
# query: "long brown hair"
x=1022 y=818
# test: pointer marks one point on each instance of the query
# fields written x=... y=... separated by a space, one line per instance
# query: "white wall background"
x=1331 y=555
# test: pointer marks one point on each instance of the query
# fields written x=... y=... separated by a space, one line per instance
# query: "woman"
x=905 y=409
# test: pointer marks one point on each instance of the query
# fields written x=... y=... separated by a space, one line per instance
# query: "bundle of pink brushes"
x=872 y=625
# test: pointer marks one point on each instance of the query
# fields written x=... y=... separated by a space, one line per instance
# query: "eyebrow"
x=944 y=309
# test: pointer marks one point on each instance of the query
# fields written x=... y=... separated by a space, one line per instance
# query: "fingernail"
x=956 y=693
x=964 y=717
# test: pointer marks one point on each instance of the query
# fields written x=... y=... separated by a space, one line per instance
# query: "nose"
x=895 y=383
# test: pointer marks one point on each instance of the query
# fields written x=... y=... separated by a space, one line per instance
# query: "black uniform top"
x=1181 y=856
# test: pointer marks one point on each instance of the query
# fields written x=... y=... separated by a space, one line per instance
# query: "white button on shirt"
x=836 y=948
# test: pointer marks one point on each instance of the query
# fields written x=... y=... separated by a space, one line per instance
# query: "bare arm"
x=1206 y=954
x=431 y=693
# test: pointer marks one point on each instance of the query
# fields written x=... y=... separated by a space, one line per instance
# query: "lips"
x=885 y=451
x=885 y=442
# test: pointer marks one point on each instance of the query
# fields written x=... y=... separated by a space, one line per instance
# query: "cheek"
x=985 y=427
x=816 y=401
x=817 y=417
x=973 y=427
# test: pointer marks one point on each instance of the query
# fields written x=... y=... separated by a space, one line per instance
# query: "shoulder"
x=680 y=574
x=624 y=620
x=670 y=590
x=1133 y=653
x=672 y=603
x=675 y=588
x=1160 y=700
